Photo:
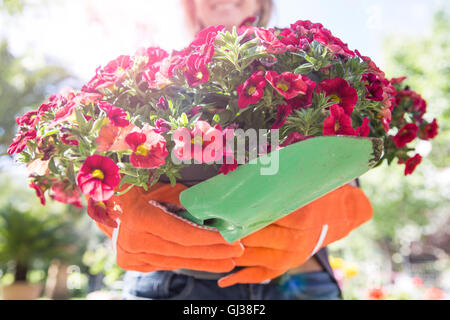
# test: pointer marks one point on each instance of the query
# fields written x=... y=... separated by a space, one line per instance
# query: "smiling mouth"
x=225 y=6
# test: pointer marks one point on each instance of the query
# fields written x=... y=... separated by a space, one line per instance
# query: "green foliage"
x=26 y=237
x=21 y=89
x=419 y=202
x=426 y=63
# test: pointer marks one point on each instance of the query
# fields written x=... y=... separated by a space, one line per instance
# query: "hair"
x=194 y=26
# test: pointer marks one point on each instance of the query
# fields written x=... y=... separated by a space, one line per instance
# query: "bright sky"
x=83 y=34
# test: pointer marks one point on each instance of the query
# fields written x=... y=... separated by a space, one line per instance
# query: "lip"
x=225 y=5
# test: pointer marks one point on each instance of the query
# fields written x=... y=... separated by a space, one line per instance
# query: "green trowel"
x=255 y=195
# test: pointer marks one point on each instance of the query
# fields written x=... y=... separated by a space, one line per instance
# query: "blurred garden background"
x=45 y=46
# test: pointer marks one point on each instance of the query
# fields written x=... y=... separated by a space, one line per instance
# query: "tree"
x=411 y=210
x=22 y=89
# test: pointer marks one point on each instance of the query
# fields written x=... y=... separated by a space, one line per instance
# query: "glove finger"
x=331 y=208
x=142 y=216
x=249 y=275
x=359 y=207
x=271 y=258
x=135 y=242
x=125 y=260
x=274 y=237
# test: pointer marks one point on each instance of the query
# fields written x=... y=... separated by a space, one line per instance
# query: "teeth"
x=225 y=6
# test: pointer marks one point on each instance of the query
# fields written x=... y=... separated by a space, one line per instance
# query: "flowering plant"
x=120 y=128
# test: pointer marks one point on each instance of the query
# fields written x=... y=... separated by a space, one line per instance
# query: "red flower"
x=306 y=28
x=374 y=87
x=162 y=126
x=419 y=105
x=304 y=100
x=270 y=41
x=64 y=111
x=196 y=71
x=98 y=177
x=105 y=212
x=69 y=139
x=287 y=84
x=112 y=73
x=154 y=55
x=325 y=37
x=252 y=90
x=411 y=164
x=377 y=294
x=204 y=42
x=386 y=119
x=283 y=112
x=340 y=92
x=294 y=138
x=20 y=141
x=30 y=118
x=205 y=36
x=64 y=193
x=429 y=131
x=149 y=148
x=163 y=104
x=398 y=80
x=229 y=161
x=338 y=123
x=406 y=134
x=40 y=191
x=117 y=116
x=364 y=130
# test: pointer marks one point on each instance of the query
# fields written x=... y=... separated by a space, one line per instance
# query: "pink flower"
x=149 y=148
x=196 y=71
x=98 y=176
x=117 y=116
x=105 y=212
x=204 y=143
x=65 y=193
x=270 y=41
x=40 y=191
x=20 y=141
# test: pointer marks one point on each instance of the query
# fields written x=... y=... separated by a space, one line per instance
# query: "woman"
x=311 y=280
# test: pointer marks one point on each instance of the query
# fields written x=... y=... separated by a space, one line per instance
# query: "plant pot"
x=21 y=291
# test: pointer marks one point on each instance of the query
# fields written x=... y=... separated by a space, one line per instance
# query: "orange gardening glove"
x=291 y=241
x=149 y=237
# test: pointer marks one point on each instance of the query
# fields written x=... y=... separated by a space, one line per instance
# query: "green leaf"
x=52 y=132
